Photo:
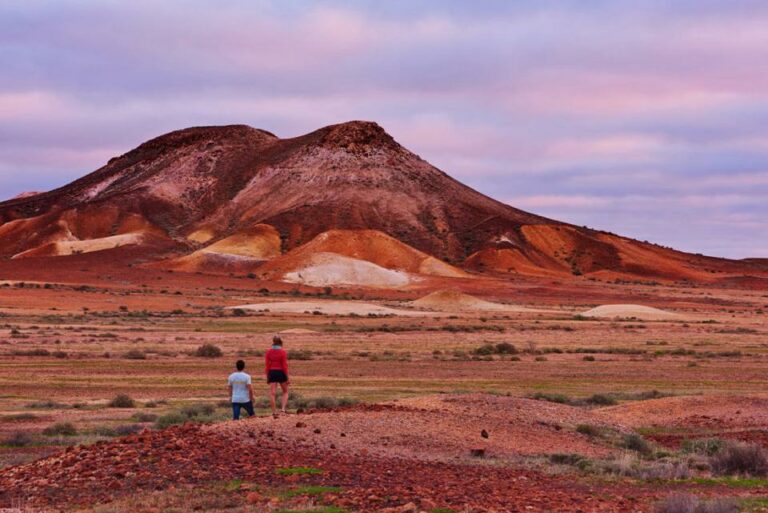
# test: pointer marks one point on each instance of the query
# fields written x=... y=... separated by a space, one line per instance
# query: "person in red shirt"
x=276 y=368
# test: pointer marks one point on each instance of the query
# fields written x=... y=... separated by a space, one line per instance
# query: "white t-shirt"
x=239 y=382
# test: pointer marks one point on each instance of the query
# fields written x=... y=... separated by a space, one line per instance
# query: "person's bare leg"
x=272 y=393
x=284 y=386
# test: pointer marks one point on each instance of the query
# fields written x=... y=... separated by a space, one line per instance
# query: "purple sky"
x=645 y=118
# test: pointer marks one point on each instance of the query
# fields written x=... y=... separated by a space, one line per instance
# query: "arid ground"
x=525 y=405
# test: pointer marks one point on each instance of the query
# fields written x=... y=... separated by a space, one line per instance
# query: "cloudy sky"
x=645 y=118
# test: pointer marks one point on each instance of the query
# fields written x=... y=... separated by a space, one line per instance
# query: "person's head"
x=240 y=365
x=277 y=341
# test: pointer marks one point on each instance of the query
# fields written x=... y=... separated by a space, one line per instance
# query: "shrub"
x=325 y=403
x=589 y=358
x=170 y=419
x=740 y=458
x=60 y=429
x=505 y=348
x=135 y=354
x=128 y=429
x=239 y=312
x=635 y=442
x=122 y=401
x=18 y=417
x=486 y=349
x=552 y=398
x=31 y=352
x=105 y=431
x=300 y=354
x=144 y=417
x=209 y=351
x=588 y=429
x=192 y=411
x=706 y=446
x=685 y=503
x=566 y=459
x=18 y=439
x=46 y=405
x=601 y=400
x=628 y=464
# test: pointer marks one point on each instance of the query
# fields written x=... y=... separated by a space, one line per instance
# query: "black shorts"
x=277 y=376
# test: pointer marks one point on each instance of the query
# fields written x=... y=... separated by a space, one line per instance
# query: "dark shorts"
x=277 y=376
x=236 y=409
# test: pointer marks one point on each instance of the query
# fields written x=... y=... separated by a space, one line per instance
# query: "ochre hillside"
x=230 y=198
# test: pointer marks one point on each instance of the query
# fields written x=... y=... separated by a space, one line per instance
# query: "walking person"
x=240 y=391
x=276 y=367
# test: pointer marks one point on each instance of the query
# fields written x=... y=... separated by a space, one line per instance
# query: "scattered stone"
x=253 y=498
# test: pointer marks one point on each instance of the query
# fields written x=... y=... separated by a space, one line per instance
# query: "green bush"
x=601 y=400
x=192 y=411
x=588 y=429
x=552 y=398
x=635 y=442
x=567 y=459
x=170 y=419
x=706 y=446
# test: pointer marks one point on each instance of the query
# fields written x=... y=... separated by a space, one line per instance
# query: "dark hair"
x=240 y=364
x=276 y=340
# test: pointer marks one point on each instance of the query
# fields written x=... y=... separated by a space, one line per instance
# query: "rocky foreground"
x=255 y=451
x=447 y=452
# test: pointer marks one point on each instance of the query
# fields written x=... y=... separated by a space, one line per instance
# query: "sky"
x=644 y=118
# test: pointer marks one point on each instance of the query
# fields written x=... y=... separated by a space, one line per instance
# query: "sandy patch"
x=453 y=300
x=646 y=313
x=333 y=269
x=329 y=307
x=261 y=242
x=71 y=247
x=298 y=331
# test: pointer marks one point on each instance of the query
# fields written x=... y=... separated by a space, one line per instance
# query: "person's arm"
x=229 y=387
x=266 y=363
x=285 y=361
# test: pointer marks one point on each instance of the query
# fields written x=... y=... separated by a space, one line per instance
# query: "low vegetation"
x=686 y=503
x=60 y=429
x=122 y=401
x=740 y=459
x=209 y=351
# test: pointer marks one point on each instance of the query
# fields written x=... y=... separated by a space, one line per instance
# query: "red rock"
x=253 y=498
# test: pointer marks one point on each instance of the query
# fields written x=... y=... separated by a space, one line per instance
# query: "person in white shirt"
x=240 y=391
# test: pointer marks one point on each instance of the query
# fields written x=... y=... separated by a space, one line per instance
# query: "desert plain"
x=483 y=394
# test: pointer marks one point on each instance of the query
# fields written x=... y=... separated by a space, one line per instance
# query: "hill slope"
x=198 y=188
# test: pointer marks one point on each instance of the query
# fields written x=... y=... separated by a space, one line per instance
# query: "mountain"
x=219 y=199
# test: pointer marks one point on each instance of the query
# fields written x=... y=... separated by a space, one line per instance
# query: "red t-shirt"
x=276 y=359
